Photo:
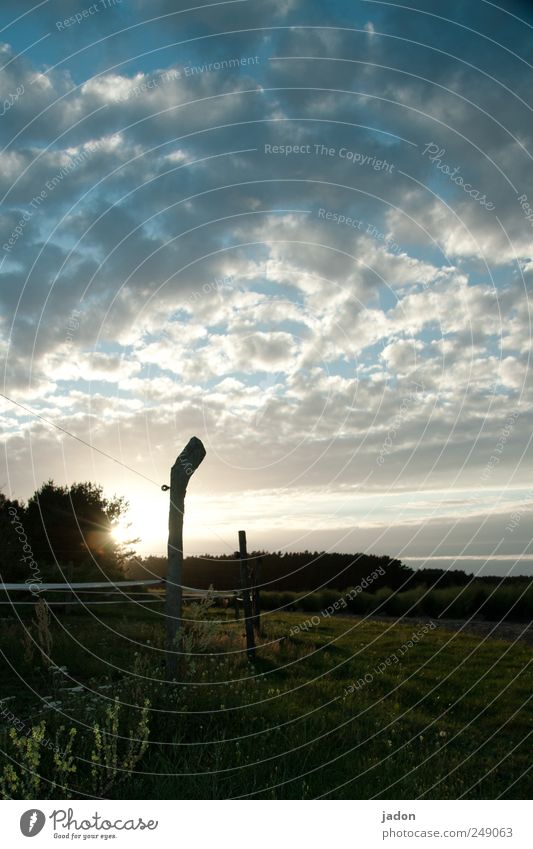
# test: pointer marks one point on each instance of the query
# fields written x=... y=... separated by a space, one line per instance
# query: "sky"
x=301 y=231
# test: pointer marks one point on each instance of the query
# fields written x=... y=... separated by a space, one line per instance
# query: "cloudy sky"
x=301 y=231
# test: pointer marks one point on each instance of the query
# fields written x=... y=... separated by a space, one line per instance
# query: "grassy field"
x=449 y=718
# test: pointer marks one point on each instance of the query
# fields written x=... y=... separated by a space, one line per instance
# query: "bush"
x=329 y=597
x=511 y=602
x=289 y=600
x=437 y=600
x=362 y=603
x=270 y=600
x=312 y=603
x=468 y=602
x=456 y=602
x=409 y=603
x=380 y=600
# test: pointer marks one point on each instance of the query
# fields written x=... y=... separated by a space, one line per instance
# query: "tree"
x=74 y=525
x=12 y=540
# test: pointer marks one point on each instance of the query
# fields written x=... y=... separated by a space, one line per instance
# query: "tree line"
x=304 y=571
x=66 y=532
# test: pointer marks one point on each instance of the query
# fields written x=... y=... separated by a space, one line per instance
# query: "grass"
x=448 y=719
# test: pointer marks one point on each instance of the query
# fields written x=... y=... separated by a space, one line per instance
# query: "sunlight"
x=123 y=531
x=147 y=520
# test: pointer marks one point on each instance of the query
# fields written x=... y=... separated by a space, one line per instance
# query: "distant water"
x=478 y=565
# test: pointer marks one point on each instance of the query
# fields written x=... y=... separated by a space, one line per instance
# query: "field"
x=346 y=708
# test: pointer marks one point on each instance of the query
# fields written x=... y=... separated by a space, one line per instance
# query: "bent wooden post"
x=246 y=602
x=186 y=464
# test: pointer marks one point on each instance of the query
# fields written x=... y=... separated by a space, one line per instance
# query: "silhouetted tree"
x=11 y=542
x=74 y=524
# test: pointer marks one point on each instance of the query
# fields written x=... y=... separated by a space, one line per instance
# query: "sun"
x=122 y=532
x=144 y=526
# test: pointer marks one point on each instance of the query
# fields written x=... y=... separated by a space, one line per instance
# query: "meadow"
x=324 y=711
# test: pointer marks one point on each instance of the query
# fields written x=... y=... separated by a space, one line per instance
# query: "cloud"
x=266 y=253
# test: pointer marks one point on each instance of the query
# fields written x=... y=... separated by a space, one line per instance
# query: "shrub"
x=284 y=601
x=510 y=602
x=311 y=602
x=288 y=600
x=409 y=603
x=102 y=758
x=437 y=600
x=380 y=600
x=361 y=603
x=270 y=600
x=457 y=602
x=329 y=597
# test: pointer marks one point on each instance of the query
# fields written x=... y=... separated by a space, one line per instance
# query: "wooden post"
x=256 y=604
x=70 y=596
x=186 y=464
x=247 y=607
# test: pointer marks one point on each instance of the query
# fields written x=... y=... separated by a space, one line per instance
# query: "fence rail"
x=37 y=586
x=96 y=588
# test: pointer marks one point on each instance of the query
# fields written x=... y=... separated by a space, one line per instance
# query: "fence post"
x=247 y=607
x=256 y=603
x=70 y=595
x=186 y=464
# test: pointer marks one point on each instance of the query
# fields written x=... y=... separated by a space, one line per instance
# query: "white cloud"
x=285 y=340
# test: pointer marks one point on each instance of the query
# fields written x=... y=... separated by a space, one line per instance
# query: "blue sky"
x=166 y=270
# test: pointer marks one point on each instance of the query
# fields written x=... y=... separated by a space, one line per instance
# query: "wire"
x=79 y=439
x=141 y=601
x=68 y=603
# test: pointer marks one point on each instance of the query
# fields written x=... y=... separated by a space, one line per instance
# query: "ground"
x=324 y=711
